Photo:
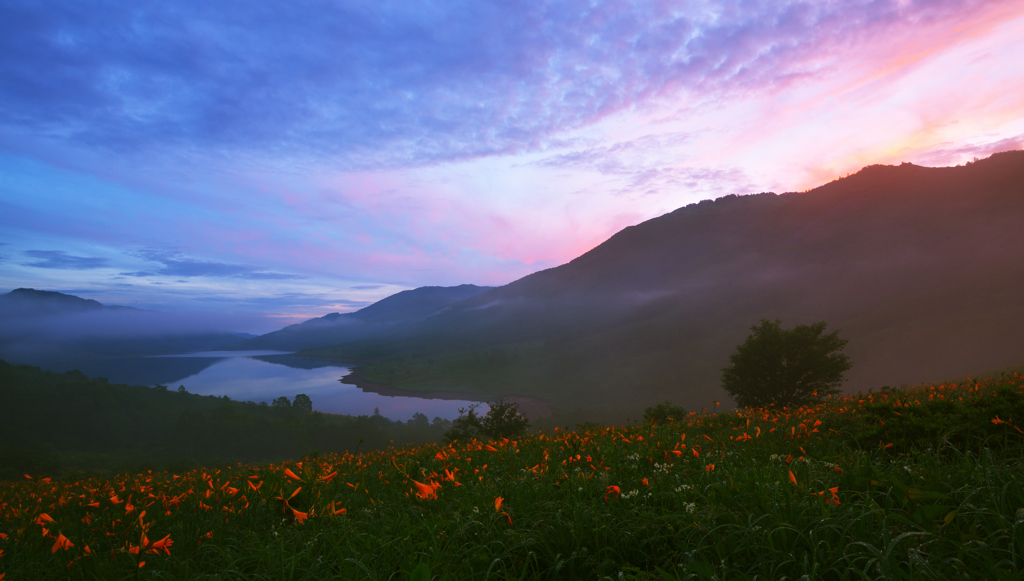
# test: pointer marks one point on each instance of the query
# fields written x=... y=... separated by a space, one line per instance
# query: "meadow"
x=914 y=483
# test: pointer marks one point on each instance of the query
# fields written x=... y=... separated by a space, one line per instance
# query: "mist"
x=41 y=327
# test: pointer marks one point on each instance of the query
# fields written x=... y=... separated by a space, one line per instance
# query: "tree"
x=419 y=420
x=503 y=420
x=302 y=403
x=786 y=367
x=282 y=403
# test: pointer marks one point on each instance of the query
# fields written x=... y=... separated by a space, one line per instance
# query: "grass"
x=918 y=483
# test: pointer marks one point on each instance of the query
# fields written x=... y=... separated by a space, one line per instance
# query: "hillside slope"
x=389 y=315
x=920 y=268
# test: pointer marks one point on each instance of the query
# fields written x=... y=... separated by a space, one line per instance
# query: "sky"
x=269 y=162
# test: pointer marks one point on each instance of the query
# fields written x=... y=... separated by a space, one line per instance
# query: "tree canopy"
x=786 y=366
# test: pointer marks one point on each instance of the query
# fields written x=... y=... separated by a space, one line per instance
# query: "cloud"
x=174 y=264
x=367 y=287
x=60 y=260
x=649 y=165
x=381 y=84
x=959 y=154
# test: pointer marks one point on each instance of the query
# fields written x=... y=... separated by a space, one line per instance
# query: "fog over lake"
x=263 y=376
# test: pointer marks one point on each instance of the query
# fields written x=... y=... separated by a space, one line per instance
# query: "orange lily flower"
x=62 y=543
x=163 y=544
x=43 y=518
x=425 y=491
x=490 y=448
x=710 y=468
x=300 y=517
x=792 y=477
x=497 y=503
x=645 y=482
x=612 y=489
x=288 y=472
x=998 y=421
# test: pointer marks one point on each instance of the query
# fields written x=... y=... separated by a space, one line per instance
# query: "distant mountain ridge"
x=29 y=302
x=58 y=332
x=920 y=268
x=388 y=315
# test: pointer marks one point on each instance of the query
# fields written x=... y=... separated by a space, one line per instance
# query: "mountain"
x=919 y=268
x=29 y=302
x=389 y=315
x=59 y=332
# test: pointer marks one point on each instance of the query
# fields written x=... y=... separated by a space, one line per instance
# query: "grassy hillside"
x=50 y=423
x=919 y=483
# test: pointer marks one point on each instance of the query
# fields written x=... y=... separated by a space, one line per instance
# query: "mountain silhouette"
x=920 y=268
x=29 y=302
x=387 y=316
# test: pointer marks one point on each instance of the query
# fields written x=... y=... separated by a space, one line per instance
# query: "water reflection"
x=265 y=376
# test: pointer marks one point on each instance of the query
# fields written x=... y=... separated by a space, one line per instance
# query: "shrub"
x=663 y=413
x=503 y=420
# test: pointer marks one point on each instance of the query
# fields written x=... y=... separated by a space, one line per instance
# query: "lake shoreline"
x=531 y=407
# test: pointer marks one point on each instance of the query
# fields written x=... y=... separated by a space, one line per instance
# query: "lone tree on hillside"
x=786 y=367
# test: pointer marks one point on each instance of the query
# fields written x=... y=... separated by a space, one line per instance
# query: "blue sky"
x=281 y=160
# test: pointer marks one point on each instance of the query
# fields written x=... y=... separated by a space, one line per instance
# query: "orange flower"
x=998 y=421
x=288 y=472
x=300 y=517
x=425 y=491
x=62 y=543
x=646 y=482
x=43 y=518
x=497 y=503
x=490 y=448
x=792 y=477
x=329 y=477
x=710 y=467
x=696 y=454
x=612 y=489
x=335 y=512
x=163 y=544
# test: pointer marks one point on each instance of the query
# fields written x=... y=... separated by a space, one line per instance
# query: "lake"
x=263 y=376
